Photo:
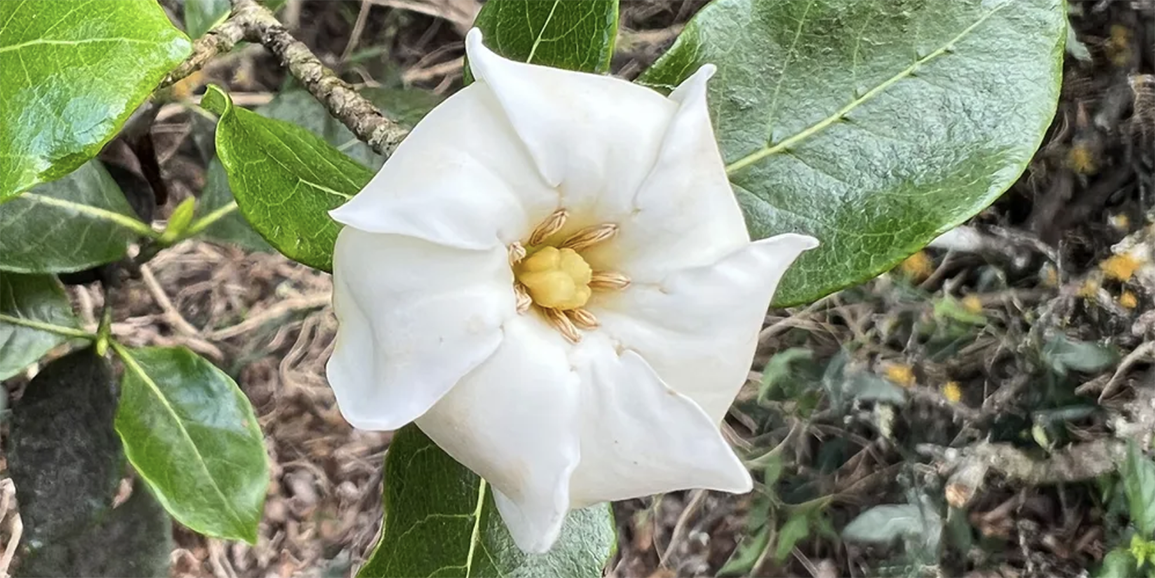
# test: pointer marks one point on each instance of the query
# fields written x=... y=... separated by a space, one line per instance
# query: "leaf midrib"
x=130 y=361
x=817 y=127
x=475 y=535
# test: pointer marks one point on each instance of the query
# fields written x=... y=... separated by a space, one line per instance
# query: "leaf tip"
x=216 y=100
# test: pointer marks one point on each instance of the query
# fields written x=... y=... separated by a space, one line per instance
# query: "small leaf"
x=779 y=370
x=191 y=434
x=1139 y=485
x=201 y=15
x=1118 y=563
x=874 y=125
x=68 y=225
x=135 y=539
x=746 y=555
x=299 y=107
x=1063 y=354
x=72 y=72
x=179 y=221
x=562 y=34
x=440 y=520
x=28 y=301
x=870 y=387
x=883 y=525
x=285 y=180
x=64 y=455
x=796 y=529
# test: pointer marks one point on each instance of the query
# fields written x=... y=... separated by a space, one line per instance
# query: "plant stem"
x=48 y=327
x=208 y=220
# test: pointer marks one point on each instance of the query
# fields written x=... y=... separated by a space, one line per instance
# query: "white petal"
x=685 y=213
x=414 y=317
x=513 y=420
x=639 y=437
x=462 y=178
x=698 y=327
x=594 y=137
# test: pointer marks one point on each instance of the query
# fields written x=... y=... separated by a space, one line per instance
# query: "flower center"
x=556 y=278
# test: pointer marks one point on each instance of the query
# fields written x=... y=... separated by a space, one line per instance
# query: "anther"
x=551 y=225
x=523 y=299
x=582 y=318
x=590 y=236
x=562 y=324
x=608 y=281
x=516 y=253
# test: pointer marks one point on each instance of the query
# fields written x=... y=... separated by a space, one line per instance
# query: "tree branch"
x=252 y=22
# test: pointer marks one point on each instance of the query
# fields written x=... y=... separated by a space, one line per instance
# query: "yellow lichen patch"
x=1118 y=45
x=900 y=373
x=1120 y=267
x=188 y=85
x=918 y=266
x=1128 y=300
x=1049 y=275
x=1089 y=289
x=1120 y=222
x=952 y=392
x=1081 y=160
x=972 y=304
x=555 y=278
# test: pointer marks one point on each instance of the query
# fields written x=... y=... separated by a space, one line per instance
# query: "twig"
x=222 y=38
x=255 y=23
x=697 y=498
x=344 y=103
x=1132 y=358
x=275 y=312
x=170 y=312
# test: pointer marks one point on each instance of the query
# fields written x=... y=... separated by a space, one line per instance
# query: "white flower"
x=552 y=277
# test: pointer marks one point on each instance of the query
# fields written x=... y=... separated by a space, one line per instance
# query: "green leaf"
x=874 y=125
x=796 y=529
x=68 y=225
x=1139 y=485
x=285 y=180
x=192 y=436
x=64 y=455
x=1118 y=563
x=135 y=539
x=562 y=34
x=747 y=554
x=201 y=15
x=31 y=306
x=440 y=520
x=297 y=106
x=882 y=525
x=72 y=72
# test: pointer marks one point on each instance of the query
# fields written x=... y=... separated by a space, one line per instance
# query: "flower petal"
x=462 y=178
x=698 y=327
x=639 y=437
x=685 y=213
x=594 y=137
x=414 y=318
x=513 y=420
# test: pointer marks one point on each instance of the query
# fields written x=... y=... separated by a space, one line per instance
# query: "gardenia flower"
x=552 y=277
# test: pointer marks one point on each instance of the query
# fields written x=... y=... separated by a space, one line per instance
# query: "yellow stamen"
x=563 y=324
x=582 y=318
x=608 y=281
x=590 y=236
x=551 y=225
x=555 y=278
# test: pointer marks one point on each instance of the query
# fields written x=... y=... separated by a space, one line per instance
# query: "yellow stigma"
x=556 y=278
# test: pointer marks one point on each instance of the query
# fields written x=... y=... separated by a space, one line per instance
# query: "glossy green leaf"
x=562 y=34
x=874 y=125
x=285 y=180
x=68 y=225
x=135 y=539
x=31 y=307
x=64 y=455
x=72 y=72
x=297 y=106
x=1139 y=485
x=440 y=520
x=191 y=435
x=201 y=15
